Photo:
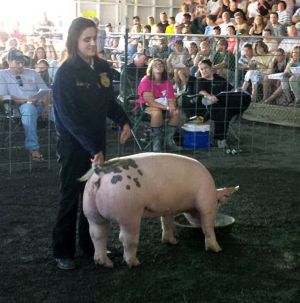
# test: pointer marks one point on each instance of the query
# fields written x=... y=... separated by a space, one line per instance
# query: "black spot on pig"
x=115 y=179
x=140 y=172
x=129 y=177
x=128 y=187
x=137 y=183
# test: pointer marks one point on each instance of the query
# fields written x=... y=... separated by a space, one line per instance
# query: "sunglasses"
x=19 y=80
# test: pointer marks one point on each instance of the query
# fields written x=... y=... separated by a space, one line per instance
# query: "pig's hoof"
x=215 y=247
x=169 y=240
x=106 y=263
x=133 y=262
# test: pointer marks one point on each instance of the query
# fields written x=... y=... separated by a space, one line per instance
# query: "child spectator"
x=284 y=17
x=211 y=23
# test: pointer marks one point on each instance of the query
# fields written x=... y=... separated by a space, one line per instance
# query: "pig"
x=146 y=185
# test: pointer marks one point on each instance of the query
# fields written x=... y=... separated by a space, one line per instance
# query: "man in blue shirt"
x=21 y=85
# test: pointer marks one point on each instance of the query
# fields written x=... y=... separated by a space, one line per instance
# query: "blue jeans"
x=29 y=115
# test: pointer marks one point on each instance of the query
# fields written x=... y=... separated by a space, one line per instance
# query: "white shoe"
x=221 y=143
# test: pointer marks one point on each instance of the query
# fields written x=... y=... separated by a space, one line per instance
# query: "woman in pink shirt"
x=156 y=92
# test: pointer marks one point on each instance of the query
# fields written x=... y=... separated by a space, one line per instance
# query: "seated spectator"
x=192 y=7
x=39 y=53
x=133 y=39
x=224 y=22
x=171 y=27
x=21 y=84
x=232 y=41
x=177 y=36
x=264 y=9
x=151 y=23
x=42 y=68
x=158 y=45
x=241 y=23
x=101 y=36
x=258 y=69
x=131 y=76
x=111 y=42
x=214 y=38
x=271 y=42
x=254 y=77
x=157 y=94
x=211 y=23
x=252 y=11
x=277 y=29
x=287 y=44
x=201 y=10
x=51 y=53
x=257 y=27
x=220 y=107
x=215 y=7
x=223 y=61
x=136 y=22
x=11 y=43
x=163 y=21
x=243 y=4
x=184 y=9
x=245 y=59
x=54 y=64
x=188 y=26
x=233 y=8
x=137 y=69
x=178 y=65
x=193 y=51
x=4 y=36
x=277 y=65
x=284 y=17
x=296 y=19
x=224 y=8
x=204 y=52
x=291 y=81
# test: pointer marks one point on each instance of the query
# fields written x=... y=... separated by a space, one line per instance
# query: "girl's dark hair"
x=261 y=44
x=35 y=53
x=77 y=26
x=207 y=62
x=149 y=72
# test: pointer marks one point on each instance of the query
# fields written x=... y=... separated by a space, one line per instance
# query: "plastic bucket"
x=195 y=135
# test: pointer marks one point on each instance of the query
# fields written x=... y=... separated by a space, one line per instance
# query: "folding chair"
x=9 y=121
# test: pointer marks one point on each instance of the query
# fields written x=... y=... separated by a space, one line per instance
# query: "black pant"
x=229 y=105
x=75 y=162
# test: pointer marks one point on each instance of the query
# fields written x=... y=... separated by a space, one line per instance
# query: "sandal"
x=35 y=155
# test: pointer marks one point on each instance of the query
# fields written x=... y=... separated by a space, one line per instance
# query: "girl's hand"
x=125 y=134
x=213 y=99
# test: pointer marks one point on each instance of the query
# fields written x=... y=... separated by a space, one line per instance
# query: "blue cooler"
x=195 y=135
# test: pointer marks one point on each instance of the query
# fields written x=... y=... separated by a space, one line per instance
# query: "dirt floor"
x=260 y=261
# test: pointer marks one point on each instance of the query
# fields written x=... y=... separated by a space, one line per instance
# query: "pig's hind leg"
x=207 y=206
x=167 y=225
x=99 y=228
x=129 y=236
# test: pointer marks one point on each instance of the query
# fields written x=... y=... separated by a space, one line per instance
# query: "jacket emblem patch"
x=104 y=80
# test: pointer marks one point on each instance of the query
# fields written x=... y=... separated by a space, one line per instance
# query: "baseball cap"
x=16 y=55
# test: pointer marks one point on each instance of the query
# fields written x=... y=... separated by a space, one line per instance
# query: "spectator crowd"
x=253 y=44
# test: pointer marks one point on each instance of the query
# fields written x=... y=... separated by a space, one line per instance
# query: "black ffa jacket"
x=83 y=99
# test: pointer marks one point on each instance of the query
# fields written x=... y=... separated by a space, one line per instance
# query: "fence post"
x=236 y=73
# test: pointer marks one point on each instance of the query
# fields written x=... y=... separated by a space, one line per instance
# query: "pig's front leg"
x=99 y=234
x=167 y=226
x=129 y=236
